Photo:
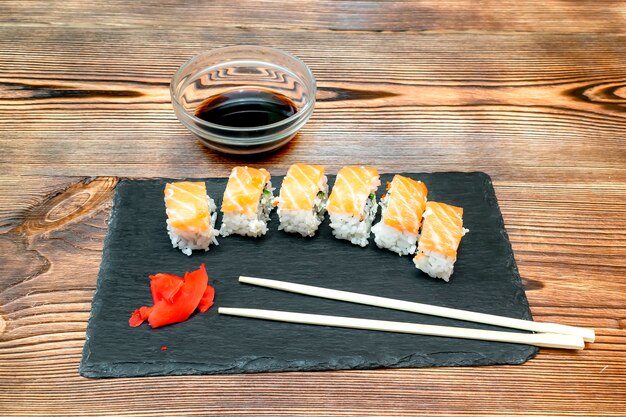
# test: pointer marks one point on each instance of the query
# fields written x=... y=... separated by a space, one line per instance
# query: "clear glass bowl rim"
x=301 y=113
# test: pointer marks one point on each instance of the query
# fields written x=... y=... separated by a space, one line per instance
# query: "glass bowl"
x=236 y=69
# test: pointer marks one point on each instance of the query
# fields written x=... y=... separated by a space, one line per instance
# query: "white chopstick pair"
x=548 y=334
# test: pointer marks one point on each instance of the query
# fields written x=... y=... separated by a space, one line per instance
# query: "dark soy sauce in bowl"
x=245 y=99
x=246 y=107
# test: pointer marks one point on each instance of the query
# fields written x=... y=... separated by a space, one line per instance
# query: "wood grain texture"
x=583 y=16
x=22 y=193
x=443 y=101
x=533 y=94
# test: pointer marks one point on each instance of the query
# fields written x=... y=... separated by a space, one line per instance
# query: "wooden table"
x=533 y=93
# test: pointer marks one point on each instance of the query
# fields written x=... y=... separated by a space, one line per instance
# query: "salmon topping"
x=351 y=190
x=187 y=206
x=244 y=189
x=406 y=204
x=300 y=187
x=442 y=230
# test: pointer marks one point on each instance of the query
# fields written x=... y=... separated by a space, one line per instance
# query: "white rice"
x=305 y=222
x=188 y=240
x=436 y=265
x=353 y=229
x=255 y=226
x=386 y=237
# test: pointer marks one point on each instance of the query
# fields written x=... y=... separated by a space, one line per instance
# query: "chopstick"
x=536 y=339
x=586 y=334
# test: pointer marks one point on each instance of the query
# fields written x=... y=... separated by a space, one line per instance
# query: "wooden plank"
x=582 y=16
x=46 y=306
x=19 y=194
x=442 y=101
x=449 y=85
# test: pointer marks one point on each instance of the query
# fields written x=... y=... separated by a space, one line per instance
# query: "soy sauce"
x=246 y=108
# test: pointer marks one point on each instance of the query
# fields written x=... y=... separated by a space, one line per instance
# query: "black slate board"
x=485 y=280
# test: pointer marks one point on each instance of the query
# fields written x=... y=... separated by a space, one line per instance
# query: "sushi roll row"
x=191 y=212
x=409 y=223
x=408 y=218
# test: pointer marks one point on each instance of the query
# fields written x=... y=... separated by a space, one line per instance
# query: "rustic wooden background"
x=533 y=93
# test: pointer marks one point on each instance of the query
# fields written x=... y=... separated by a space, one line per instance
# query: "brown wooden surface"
x=533 y=93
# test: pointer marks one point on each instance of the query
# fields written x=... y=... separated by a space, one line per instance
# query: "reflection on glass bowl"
x=243 y=99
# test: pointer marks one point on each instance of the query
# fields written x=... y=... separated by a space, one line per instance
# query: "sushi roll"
x=191 y=215
x=441 y=235
x=402 y=209
x=302 y=200
x=352 y=203
x=247 y=202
